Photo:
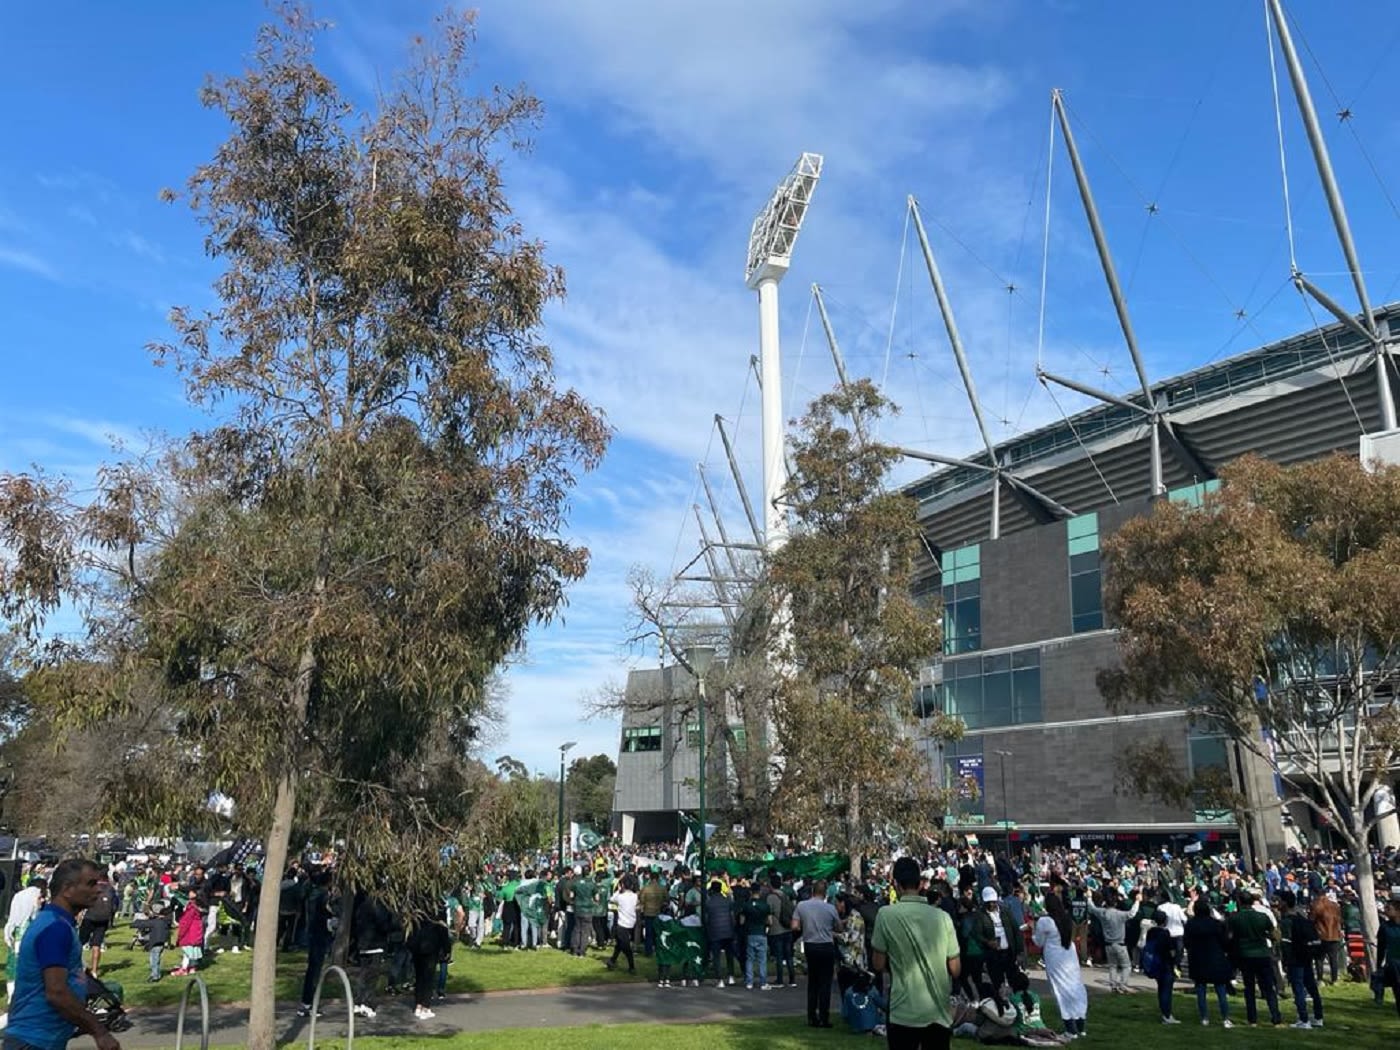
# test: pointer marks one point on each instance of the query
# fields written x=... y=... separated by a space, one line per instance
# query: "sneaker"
x=1170 y=1020
x=1227 y=1023
x=694 y=983
x=367 y=1012
x=663 y=984
x=748 y=987
x=1317 y=1022
x=731 y=980
x=424 y=1014
x=1205 y=1022
x=304 y=1010
x=1301 y=1024
x=765 y=988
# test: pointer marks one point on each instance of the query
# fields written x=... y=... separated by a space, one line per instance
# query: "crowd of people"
x=918 y=949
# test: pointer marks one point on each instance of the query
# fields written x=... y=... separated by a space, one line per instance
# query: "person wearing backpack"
x=1301 y=947
x=1159 y=959
x=780 y=909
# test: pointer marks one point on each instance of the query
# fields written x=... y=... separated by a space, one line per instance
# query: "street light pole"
x=1005 y=813
x=700 y=657
x=563 y=750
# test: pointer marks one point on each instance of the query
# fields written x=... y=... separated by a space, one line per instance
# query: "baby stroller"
x=140 y=937
x=104 y=1001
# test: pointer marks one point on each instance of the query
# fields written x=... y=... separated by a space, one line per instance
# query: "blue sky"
x=668 y=125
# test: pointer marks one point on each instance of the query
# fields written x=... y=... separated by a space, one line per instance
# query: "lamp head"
x=565 y=748
x=700 y=657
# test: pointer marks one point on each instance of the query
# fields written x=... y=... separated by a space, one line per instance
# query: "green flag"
x=677 y=945
x=588 y=839
x=533 y=898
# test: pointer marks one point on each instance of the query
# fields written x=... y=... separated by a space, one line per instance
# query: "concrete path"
x=558 y=1007
x=603 y=1004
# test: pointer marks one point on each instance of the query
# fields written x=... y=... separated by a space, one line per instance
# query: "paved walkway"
x=600 y=1004
x=559 y=1007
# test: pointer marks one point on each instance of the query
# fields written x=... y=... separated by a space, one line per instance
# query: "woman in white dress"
x=1054 y=935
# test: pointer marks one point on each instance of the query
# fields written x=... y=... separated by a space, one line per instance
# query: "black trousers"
x=371 y=970
x=821 y=969
x=624 y=945
x=930 y=1037
x=316 y=952
x=424 y=976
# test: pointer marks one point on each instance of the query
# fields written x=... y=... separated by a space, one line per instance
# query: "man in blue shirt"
x=49 y=1004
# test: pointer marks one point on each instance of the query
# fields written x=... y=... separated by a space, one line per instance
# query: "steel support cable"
x=1344 y=114
x=898 y=287
x=1085 y=448
x=1045 y=246
x=801 y=353
x=1170 y=229
x=1282 y=155
x=1341 y=379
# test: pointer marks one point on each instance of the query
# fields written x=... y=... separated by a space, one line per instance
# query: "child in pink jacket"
x=189 y=937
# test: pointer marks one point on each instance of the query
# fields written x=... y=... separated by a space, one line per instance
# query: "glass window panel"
x=996 y=664
x=1207 y=752
x=961 y=669
x=1029 y=711
x=1083 y=525
x=996 y=691
x=1025 y=658
x=1025 y=689
x=994 y=715
x=946 y=561
x=1083 y=545
x=1086 y=562
x=1088 y=622
x=1084 y=594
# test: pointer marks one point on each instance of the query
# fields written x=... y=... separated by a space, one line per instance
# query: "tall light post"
x=1005 y=815
x=699 y=657
x=771 y=241
x=564 y=749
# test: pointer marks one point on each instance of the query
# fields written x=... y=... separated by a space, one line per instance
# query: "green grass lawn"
x=227 y=975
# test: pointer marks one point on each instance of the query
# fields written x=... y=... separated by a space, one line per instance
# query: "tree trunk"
x=853 y=825
x=1366 y=889
x=262 y=1016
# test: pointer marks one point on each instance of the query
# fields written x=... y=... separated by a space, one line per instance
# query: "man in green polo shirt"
x=917 y=944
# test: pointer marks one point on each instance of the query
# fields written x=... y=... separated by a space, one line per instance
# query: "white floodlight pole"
x=1323 y=160
x=945 y=307
x=771 y=242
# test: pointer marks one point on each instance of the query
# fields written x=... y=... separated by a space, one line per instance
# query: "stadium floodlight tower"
x=770 y=254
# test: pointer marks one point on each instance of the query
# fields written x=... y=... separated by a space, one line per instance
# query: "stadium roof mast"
x=1159 y=425
x=1367 y=328
x=771 y=242
x=1039 y=505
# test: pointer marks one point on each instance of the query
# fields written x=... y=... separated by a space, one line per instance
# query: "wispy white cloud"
x=18 y=259
x=138 y=245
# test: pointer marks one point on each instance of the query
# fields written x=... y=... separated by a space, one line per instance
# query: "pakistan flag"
x=677 y=945
x=532 y=896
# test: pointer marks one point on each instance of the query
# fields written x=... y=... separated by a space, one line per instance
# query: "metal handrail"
x=203 y=1014
x=349 y=1008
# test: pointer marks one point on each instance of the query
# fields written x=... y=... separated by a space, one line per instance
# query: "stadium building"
x=1025 y=628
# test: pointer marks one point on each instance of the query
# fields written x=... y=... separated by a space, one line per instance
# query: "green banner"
x=805 y=866
x=677 y=945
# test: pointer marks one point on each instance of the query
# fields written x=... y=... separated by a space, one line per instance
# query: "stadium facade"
x=1025 y=629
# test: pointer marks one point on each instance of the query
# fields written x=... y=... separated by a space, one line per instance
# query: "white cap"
x=988 y=894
